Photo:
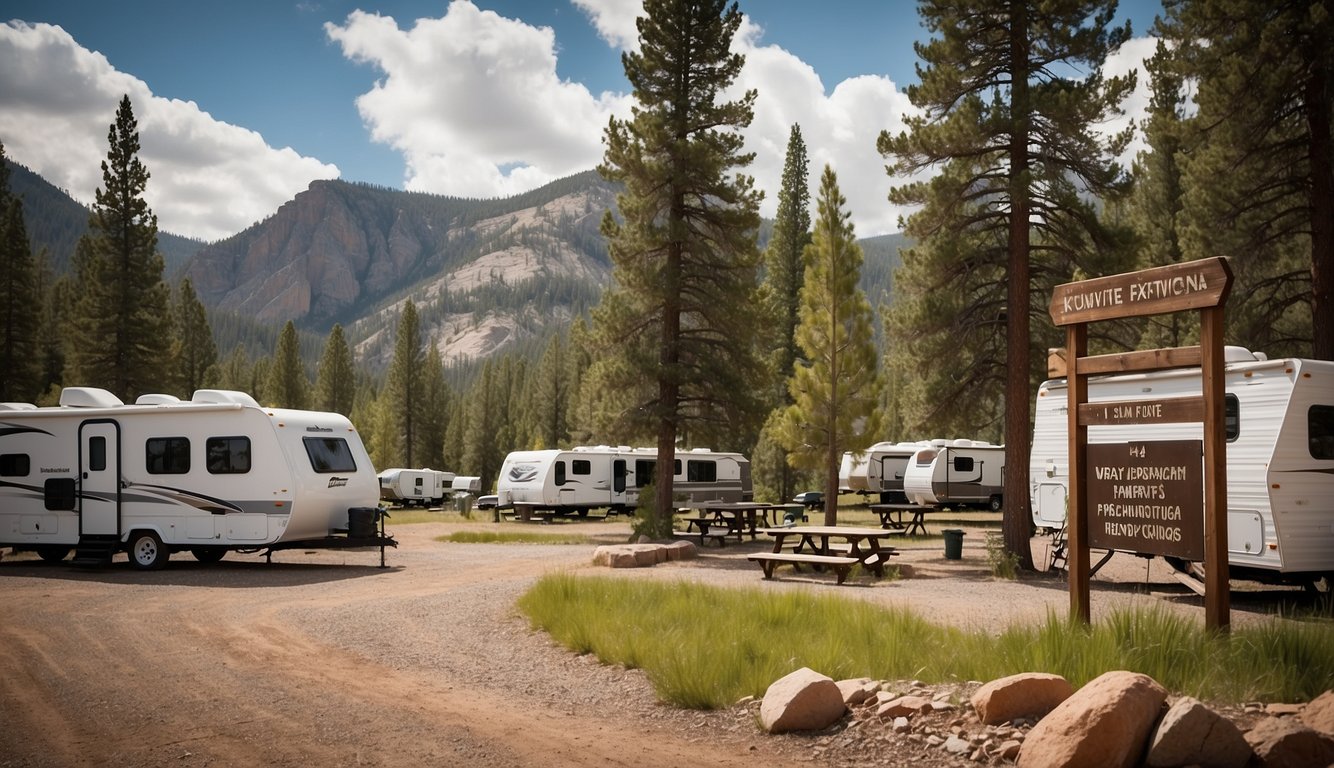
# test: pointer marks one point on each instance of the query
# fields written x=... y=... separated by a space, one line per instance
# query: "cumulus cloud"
x=473 y=102
x=1130 y=57
x=208 y=179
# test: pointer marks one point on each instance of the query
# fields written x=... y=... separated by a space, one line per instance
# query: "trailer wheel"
x=996 y=503
x=208 y=554
x=146 y=551
x=52 y=554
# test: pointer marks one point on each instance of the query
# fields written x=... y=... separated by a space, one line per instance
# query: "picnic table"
x=891 y=518
x=827 y=546
x=732 y=518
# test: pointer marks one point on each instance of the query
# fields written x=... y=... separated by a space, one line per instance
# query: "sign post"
x=1165 y=497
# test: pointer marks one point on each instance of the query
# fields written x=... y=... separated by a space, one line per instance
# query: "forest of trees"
x=1018 y=192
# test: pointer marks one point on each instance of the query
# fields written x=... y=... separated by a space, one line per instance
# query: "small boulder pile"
x=643 y=554
x=1040 y=721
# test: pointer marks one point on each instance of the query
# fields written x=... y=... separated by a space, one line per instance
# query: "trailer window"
x=560 y=473
x=329 y=454
x=168 y=455
x=227 y=455
x=963 y=463
x=644 y=472
x=701 y=471
x=1320 y=431
x=582 y=467
x=924 y=458
x=97 y=454
x=1231 y=417
x=15 y=465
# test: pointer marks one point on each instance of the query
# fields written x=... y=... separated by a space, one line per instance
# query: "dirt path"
x=321 y=658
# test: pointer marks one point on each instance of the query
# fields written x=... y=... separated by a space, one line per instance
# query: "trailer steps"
x=96 y=551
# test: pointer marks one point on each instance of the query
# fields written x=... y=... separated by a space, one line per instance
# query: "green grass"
x=705 y=647
x=515 y=537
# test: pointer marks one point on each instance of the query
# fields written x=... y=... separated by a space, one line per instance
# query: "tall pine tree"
x=193 y=350
x=1010 y=94
x=677 y=328
x=20 y=301
x=836 y=390
x=336 y=377
x=286 y=385
x=119 y=335
x=402 y=396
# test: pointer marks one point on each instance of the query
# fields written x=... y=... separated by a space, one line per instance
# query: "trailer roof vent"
x=156 y=399
x=88 y=397
x=223 y=396
x=1238 y=355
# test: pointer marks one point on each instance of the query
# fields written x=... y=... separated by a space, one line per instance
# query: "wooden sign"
x=1173 y=288
x=1172 y=410
x=1147 y=497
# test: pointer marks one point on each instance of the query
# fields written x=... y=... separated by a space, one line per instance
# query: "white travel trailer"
x=209 y=475
x=1279 y=423
x=879 y=470
x=427 y=487
x=612 y=477
x=964 y=473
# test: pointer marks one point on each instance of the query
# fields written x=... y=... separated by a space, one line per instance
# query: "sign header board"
x=1147 y=497
x=1173 y=288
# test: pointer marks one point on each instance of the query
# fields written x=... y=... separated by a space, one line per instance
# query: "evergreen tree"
x=1261 y=188
x=235 y=372
x=57 y=293
x=481 y=444
x=120 y=333
x=286 y=385
x=677 y=328
x=782 y=299
x=20 y=301
x=551 y=396
x=336 y=377
x=836 y=389
x=193 y=350
x=434 y=415
x=401 y=397
x=1009 y=96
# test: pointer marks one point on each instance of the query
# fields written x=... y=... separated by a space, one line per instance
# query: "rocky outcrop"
x=1028 y=694
x=1283 y=742
x=643 y=555
x=804 y=700
x=1319 y=714
x=1105 y=723
x=1193 y=734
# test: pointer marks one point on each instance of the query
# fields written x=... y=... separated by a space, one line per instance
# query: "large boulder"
x=1282 y=742
x=1105 y=723
x=802 y=701
x=1192 y=734
x=1029 y=694
x=1319 y=714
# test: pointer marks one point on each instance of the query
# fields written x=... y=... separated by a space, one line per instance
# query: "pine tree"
x=336 y=377
x=120 y=333
x=235 y=372
x=402 y=394
x=434 y=415
x=1261 y=189
x=836 y=389
x=193 y=350
x=677 y=328
x=286 y=385
x=1013 y=142
x=481 y=424
x=20 y=301
x=551 y=396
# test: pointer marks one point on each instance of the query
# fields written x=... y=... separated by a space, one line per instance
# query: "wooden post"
x=1076 y=504
x=1217 y=599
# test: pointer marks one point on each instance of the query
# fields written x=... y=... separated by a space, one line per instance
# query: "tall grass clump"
x=704 y=647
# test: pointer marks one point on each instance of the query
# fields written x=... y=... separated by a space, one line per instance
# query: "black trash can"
x=953 y=543
x=361 y=522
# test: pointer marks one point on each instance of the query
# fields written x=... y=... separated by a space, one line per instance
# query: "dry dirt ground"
x=324 y=658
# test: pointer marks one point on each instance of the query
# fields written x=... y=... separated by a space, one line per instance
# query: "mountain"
x=55 y=222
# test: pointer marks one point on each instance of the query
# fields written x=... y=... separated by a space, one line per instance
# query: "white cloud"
x=208 y=179
x=473 y=101
x=1131 y=56
x=615 y=20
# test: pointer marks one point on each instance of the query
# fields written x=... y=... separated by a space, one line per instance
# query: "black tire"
x=996 y=503
x=208 y=554
x=146 y=551
x=52 y=554
x=582 y=512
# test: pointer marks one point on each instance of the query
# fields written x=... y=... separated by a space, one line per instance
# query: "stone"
x=681 y=550
x=1319 y=714
x=1192 y=734
x=804 y=700
x=957 y=746
x=1280 y=709
x=857 y=690
x=1009 y=750
x=1282 y=742
x=1029 y=694
x=1105 y=723
x=904 y=705
x=901 y=725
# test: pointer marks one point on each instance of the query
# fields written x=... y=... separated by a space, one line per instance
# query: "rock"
x=1030 y=694
x=1105 y=723
x=901 y=725
x=804 y=700
x=1009 y=750
x=1319 y=714
x=642 y=555
x=857 y=690
x=1192 y=734
x=1279 y=709
x=957 y=746
x=681 y=550
x=1282 y=742
x=904 y=705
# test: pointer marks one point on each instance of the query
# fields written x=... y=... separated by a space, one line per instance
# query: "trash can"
x=953 y=543
x=361 y=522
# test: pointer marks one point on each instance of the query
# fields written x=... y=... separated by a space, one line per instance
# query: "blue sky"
x=242 y=104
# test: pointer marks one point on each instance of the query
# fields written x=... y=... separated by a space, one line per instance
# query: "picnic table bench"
x=891 y=518
x=839 y=564
x=834 y=547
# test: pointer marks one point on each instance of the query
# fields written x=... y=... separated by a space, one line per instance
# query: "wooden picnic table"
x=891 y=518
x=818 y=544
x=740 y=517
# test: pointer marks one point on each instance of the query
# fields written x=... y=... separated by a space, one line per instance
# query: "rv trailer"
x=427 y=487
x=1279 y=427
x=612 y=477
x=956 y=473
x=214 y=474
x=879 y=470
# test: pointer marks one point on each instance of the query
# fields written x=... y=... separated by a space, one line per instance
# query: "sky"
x=241 y=105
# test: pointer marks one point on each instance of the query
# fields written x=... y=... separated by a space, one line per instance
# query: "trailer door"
x=618 y=473
x=99 y=478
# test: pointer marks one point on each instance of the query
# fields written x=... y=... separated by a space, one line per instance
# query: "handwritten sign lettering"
x=1147 y=497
